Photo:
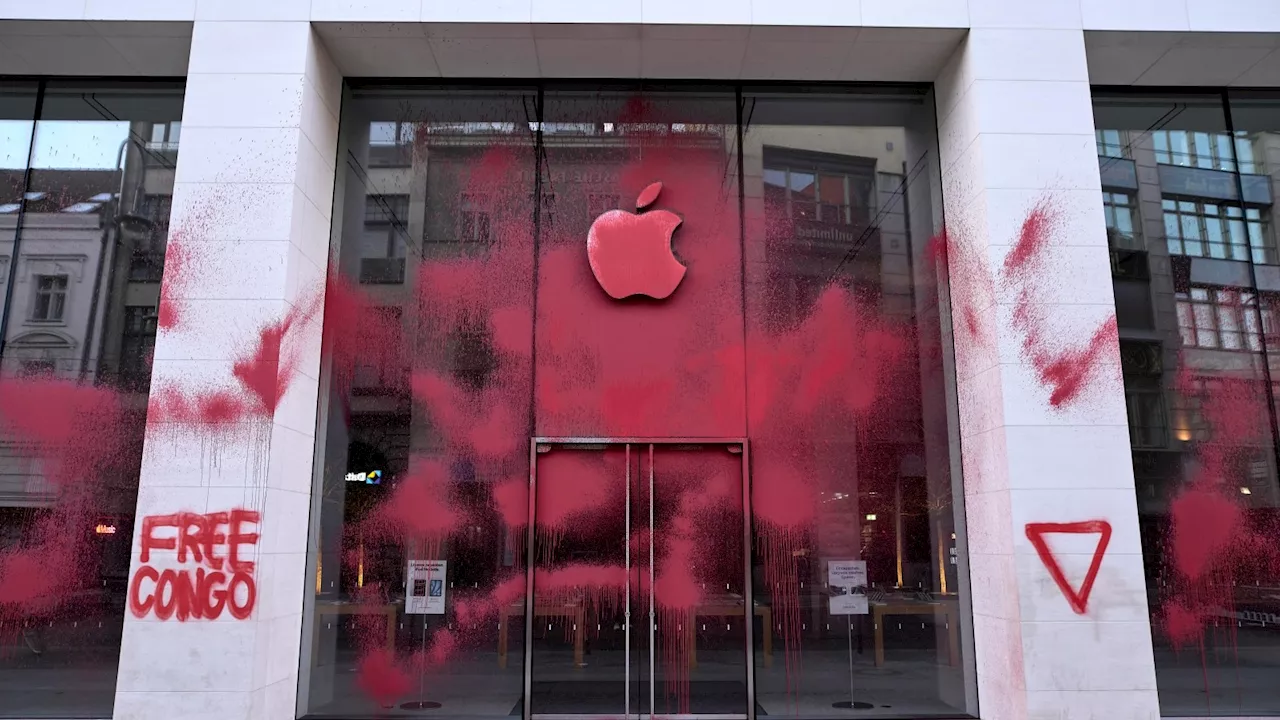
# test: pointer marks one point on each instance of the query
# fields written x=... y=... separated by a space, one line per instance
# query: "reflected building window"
x=1209 y=151
x=138 y=344
x=51 y=298
x=1219 y=318
x=1122 y=220
x=391 y=143
x=1110 y=145
x=1205 y=229
x=473 y=219
x=1144 y=404
x=382 y=245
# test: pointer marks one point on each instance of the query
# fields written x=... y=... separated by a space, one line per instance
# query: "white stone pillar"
x=251 y=218
x=1016 y=128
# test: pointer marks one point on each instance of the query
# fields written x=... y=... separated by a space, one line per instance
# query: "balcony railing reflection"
x=125 y=374
x=146 y=266
x=382 y=271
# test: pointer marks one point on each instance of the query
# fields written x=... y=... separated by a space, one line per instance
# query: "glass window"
x=138 y=344
x=51 y=298
x=1160 y=142
x=525 y=353
x=1200 y=407
x=1244 y=151
x=1144 y=403
x=1110 y=145
x=1206 y=229
x=878 y=503
x=1208 y=151
x=430 y=609
x=1121 y=217
x=91 y=202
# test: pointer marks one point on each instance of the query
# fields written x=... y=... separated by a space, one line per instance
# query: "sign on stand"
x=848 y=581
x=424 y=587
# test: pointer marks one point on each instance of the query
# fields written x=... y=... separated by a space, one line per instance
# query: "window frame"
x=50 y=297
x=1201 y=213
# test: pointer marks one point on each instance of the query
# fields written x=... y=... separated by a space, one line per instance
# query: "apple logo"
x=630 y=253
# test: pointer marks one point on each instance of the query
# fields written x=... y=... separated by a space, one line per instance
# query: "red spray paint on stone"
x=262 y=374
x=1062 y=367
x=180 y=266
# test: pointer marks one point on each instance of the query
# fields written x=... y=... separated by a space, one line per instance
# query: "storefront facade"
x=718 y=360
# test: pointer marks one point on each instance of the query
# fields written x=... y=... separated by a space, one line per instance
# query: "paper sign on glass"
x=848 y=581
x=424 y=587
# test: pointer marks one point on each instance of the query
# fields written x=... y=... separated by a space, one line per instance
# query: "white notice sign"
x=848 y=581
x=424 y=587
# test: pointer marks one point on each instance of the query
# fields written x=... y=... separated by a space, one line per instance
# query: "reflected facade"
x=87 y=178
x=732 y=497
x=1189 y=191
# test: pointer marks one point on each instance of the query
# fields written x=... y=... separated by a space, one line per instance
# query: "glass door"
x=638 y=580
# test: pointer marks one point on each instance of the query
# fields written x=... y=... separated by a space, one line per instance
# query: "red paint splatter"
x=1067 y=373
x=512 y=500
x=73 y=437
x=1065 y=369
x=802 y=374
x=419 y=505
x=1183 y=626
x=380 y=676
x=1027 y=253
x=1216 y=548
x=262 y=374
x=1205 y=523
x=961 y=269
x=169 y=404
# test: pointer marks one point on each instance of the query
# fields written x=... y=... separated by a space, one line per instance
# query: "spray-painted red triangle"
x=1079 y=600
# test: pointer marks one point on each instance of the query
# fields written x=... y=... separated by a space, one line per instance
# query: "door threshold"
x=638 y=716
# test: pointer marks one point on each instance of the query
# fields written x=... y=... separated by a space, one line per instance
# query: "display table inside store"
x=942 y=611
x=338 y=608
x=576 y=611
x=731 y=606
x=717 y=607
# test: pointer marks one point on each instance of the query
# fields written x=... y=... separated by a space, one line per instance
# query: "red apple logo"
x=630 y=253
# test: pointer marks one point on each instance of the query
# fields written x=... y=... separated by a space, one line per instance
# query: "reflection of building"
x=87 y=282
x=1186 y=253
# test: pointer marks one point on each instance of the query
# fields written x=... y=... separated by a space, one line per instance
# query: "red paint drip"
x=777 y=548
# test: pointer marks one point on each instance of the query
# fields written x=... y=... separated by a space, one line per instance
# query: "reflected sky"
x=62 y=144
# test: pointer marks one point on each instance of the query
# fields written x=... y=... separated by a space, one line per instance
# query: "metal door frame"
x=748 y=594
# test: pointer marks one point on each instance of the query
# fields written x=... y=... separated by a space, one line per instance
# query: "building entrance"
x=640 y=582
